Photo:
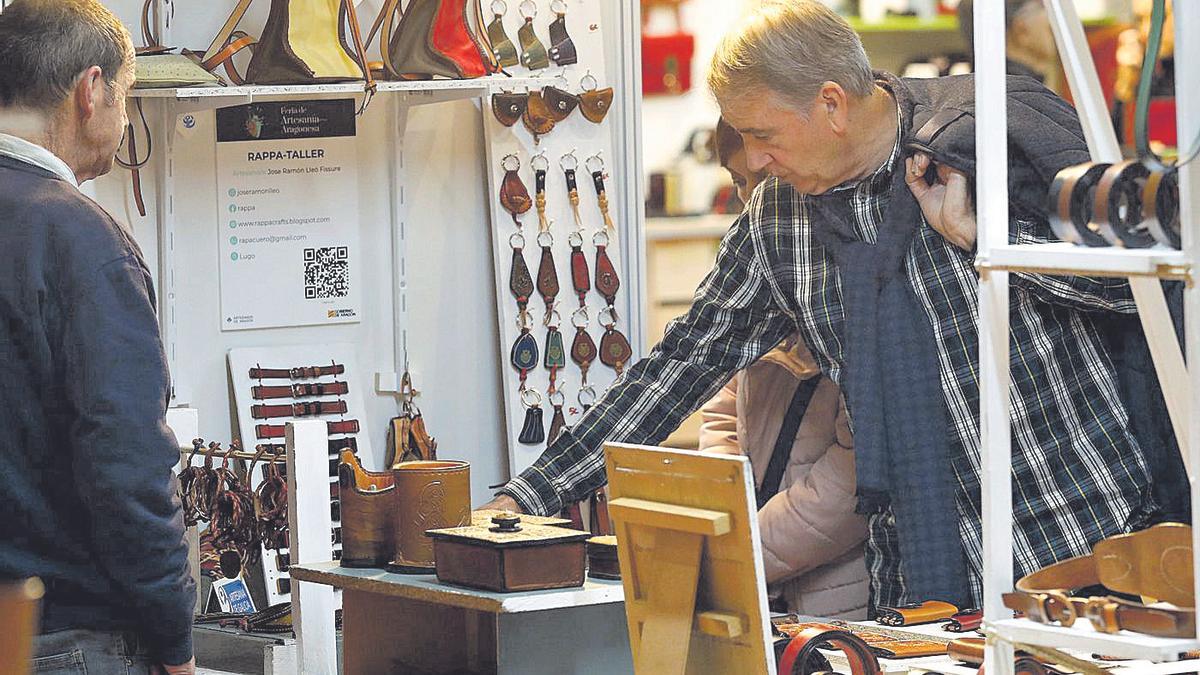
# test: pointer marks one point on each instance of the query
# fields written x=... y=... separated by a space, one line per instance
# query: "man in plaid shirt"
x=795 y=81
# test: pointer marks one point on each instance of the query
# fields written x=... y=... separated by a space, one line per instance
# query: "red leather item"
x=305 y=409
x=279 y=430
x=452 y=39
x=607 y=282
x=965 y=621
x=862 y=661
x=667 y=63
x=300 y=390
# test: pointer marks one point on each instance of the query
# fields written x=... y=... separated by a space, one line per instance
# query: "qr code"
x=326 y=272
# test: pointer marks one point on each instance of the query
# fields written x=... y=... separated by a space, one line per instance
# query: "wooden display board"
x=687 y=538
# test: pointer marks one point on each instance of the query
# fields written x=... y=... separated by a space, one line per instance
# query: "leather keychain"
x=580 y=277
x=615 y=350
x=583 y=348
x=520 y=282
x=508 y=107
x=594 y=103
x=559 y=102
x=532 y=431
x=558 y=422
x=514 y=196
x=555 y=354
x=533 y=52
x=595 y=165
x=547 y=279
x=537 y=118
x=502 y=47
x=607 y=281
x=562 y=47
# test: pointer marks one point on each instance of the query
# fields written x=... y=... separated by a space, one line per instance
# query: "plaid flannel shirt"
x=1078 y=473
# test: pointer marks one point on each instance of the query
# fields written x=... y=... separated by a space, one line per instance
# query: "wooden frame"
x=691 y=562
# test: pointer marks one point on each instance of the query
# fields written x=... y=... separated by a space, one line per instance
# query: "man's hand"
x=188 y=668
x=946 y=204
x=502 y=503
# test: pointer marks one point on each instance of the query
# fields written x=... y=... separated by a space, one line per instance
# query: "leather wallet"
x=916 y=613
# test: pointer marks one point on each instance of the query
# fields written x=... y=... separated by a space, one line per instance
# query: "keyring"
x=553 y=319
x=587 y=319
x=556 y=398
x=611 y=312
x=599 y=163
x=503 y=8
x=517 y=241
x=504 y=163
x=586 y=396
x=539 y=162
x=575 y=239
x=524 y=13
x=562 y=77
x=525 y=321
x=545 y=239
x=600 y=239
x=569 y=165
x=555 y=4
x=589 y=82
x=528 y=395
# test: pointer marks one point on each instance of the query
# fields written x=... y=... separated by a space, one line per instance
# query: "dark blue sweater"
x=87 y=498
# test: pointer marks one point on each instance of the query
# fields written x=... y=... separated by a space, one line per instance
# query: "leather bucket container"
x=368 y=514
x=429 y=495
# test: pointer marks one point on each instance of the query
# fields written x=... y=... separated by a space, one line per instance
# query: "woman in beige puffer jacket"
x=812 y=539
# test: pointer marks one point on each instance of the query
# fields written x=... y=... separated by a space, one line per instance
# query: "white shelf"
x=1082 y=637
x=408 y=86
x=1071 y=259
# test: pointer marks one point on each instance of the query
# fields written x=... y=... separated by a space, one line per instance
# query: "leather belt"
x=1155 y=563
x=801 y=647
x=300 y=390
x=300 y=409
x=279 y=430
x=301 y=373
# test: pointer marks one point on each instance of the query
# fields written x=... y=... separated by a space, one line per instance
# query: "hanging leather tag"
x=562 y=47
x=583 y=349
x=556 y=355
x=509 y=107
x=596 y=103
x=579 y=273
x=520 y=282
x=525 y=352
x=533 y=52
x=607 y=281
x=557 y=423
x=615 y=351
x=547 y=281
x=502 y=47
x=537 y=117
x=560 y=103
x=514 y=196
x=533 y=432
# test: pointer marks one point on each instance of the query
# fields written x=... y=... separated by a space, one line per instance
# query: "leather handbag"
x=368 y=506
x=302 y=42
x=667 y=57
x=433 y=38
x=429 y=496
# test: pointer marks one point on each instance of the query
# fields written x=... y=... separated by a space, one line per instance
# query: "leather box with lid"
x=510 y=556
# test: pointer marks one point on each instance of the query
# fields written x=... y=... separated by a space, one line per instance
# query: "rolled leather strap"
x=1156 y=563
x=862 y=660
x=300 y=373
x=1072 y=197
x=1117 y=210
x=1160 y=207
x=302 y=409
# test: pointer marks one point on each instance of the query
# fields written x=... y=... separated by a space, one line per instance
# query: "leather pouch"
x=509 y=107
x=453 y=38
x=514 y=196
x=538 y=119
x=368 y=502
x=429 y=495
x=559 y=104
x=595 y=104
x=917 y=613
x=502 y=47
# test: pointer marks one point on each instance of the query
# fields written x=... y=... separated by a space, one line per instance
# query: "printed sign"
x=287 y=179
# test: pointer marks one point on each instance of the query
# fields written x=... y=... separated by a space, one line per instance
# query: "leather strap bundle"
x=433 y=38
x=303 y=42
x=915 y=614
x=795 y=657
x=1154 y=563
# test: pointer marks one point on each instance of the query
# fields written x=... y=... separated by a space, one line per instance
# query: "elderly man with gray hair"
x=866 y=246
x=87 y=497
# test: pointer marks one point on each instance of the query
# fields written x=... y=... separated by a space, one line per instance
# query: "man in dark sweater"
x=87 y=495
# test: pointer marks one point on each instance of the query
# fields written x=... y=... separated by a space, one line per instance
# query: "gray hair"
x=46 y=44
x=791 y=48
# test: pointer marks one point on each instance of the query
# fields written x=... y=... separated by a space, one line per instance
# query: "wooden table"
x=415 y=624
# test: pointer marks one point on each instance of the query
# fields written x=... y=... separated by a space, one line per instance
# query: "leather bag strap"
x=786 y=440
x=359 y=46
x=222 y=39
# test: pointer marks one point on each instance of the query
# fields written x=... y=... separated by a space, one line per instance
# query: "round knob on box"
x=506 y=522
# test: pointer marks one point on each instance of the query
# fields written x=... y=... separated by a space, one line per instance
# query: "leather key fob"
x=562 y=47
x=559 y=103
x=502 y=47
x=537 y=118
x=615 y=350
x=583 y=349
x=525 y=352
x=533 y=52
x=509 y=107
x=556 y=355
x=547 y=282
x=520 y=282
x=596 y=103
x=514 y=196
x=607 y=281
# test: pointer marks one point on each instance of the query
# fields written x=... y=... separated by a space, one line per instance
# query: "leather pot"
x=429 y=495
